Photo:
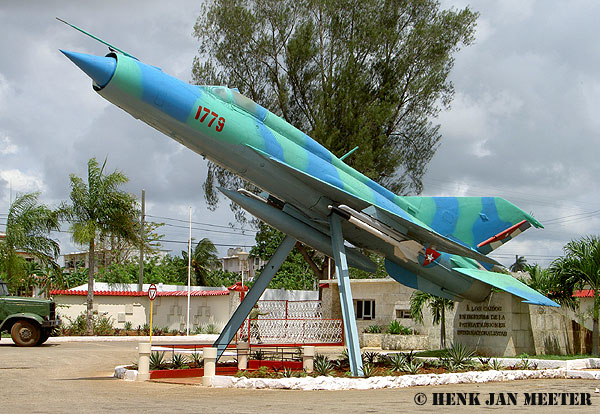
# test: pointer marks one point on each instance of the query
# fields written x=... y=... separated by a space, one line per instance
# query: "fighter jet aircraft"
x=437 y=245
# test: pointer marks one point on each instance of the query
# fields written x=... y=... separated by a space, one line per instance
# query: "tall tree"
x=519 y=265
x=204 y=260
x=436 y=305
x=372 y=73
x=580 y=266
x=555 y=285
x=100 y=210
x=28 y=228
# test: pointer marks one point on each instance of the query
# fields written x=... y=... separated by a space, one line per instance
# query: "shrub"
x=374 y=329
x=369 y=357
x=157 y=360
x=460 y=356
x=178 y=361
x=323 y=365
x=196 y=359
x=395 y=328
x=397 y=362
x=368 y=370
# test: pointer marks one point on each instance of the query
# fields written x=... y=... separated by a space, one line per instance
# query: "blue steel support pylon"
x=343 y=278
x=261 y=283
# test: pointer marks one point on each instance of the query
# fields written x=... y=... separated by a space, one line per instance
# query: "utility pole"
x=142 y=219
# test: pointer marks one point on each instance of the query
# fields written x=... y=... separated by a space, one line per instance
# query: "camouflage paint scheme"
x=287 y=164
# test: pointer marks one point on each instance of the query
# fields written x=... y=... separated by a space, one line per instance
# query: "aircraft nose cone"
x=99 y=68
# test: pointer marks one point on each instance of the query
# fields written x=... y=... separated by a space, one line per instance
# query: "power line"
x=200 y=223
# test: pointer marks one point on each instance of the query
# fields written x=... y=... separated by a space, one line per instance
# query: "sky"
x=523 y=124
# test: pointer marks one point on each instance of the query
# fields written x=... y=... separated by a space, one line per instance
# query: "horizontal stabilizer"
x=509 y=284
x=499 y=239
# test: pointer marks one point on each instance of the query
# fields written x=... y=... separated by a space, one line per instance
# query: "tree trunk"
x=443 y=329
x=90 y=292
x=595 y=332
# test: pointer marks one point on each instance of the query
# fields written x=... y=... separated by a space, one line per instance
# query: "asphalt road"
x=77 y=378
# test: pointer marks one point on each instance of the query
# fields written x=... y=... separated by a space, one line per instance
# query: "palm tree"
x=204 y=260
x=580 y=266
x=519 y=265
x=28 y=228
x=100 y=210
x=437 y=306
x=556 y=286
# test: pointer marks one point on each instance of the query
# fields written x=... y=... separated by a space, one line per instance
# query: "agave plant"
x=157 y=360
x=287 y=373
x=323 y=365
x=496 y=364
x=178 y=361
x=368 y=370
x=413 y=367
x=460 y=355
x=370 y=357
x=396 y=361
x=196 y=359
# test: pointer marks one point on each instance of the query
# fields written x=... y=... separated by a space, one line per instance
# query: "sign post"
x=151 y=295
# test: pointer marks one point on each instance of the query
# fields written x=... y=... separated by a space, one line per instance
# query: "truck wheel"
x=25 y=333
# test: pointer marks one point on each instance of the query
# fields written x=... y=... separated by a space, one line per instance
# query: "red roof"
x=135 y=293
x=585 y=293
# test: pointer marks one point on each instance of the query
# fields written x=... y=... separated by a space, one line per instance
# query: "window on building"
x=403 y=314
x=365 y=309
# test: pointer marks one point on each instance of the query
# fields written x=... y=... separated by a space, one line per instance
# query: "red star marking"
x=430 y=256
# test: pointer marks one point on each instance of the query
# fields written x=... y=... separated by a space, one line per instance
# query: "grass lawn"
x=562 y=357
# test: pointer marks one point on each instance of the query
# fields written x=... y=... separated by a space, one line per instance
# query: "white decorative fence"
x=292 y=322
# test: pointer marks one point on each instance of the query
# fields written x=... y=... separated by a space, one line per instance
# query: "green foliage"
x=580 y=267
x=98 y=211
x=127 y=326
x=221 y=278
x=554 y=285
x=397 y=362
x=437 y=307
x=380 y=273
x=204 y=259
x=459 y=356
x=178 y=361
x=368 y=369
x=157 y=360
x=369 y=357
x=373 y=329
x=288 y=373
x=413 y=367
x=103 y=325
x=395 y=328
x=496 y=364
x=322 y=365
x=196 y=359
x=368 y=73
x=28 y=227
x=295 y=272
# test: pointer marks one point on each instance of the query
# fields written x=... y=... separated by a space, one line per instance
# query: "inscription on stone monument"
x=482 y=320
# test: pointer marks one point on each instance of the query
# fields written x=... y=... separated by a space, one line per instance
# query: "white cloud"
x=6 y=146
x=22 y=182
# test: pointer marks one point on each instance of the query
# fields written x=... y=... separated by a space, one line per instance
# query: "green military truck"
x=29 y=320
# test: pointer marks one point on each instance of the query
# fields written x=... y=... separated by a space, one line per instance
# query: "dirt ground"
x=77 y=378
